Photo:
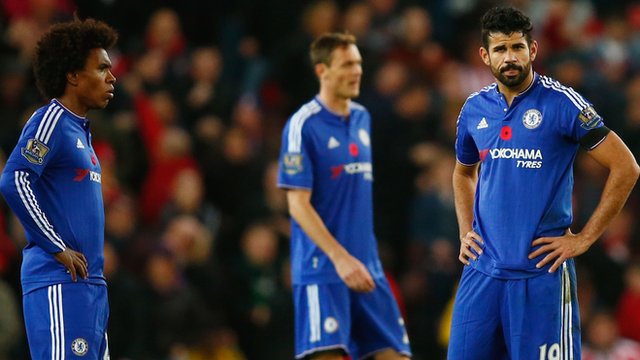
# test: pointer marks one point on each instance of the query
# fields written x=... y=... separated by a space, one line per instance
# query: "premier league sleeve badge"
x=292 y=163
x=589 y=118
x=35 y=151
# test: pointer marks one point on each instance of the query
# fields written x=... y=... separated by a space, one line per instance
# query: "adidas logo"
x=482 y=124
x=79 y=144
x=333 y=143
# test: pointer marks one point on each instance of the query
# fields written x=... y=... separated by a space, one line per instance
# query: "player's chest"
x=342 y=144
x=343 y=152
x=77 y=158
x=525 y=127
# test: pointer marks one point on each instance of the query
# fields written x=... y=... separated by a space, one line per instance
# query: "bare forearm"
x=354 y=274
x=464 y=189
x=614 y=155
x=623 y=174
x=309 y=220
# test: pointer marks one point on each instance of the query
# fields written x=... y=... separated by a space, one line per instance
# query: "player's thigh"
x=328 y=355
x=390 y=354
x=543 y=317
x=377 y=324
x=67 y=321
x=322 y=319
x=476 y=331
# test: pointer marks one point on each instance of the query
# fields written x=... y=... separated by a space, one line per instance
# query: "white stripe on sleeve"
x=31 y=204
x=297 y=121
x=45 y=120
x=575 y=98
x=53 y=125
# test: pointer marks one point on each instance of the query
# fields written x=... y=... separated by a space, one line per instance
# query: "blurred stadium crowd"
x=197 y=233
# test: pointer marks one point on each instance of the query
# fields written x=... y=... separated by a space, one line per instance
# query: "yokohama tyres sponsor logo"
x=353 y=168
x=525 y=158
x=81 y=174
x=508 y=153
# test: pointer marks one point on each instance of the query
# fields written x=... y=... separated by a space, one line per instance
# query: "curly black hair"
x=64 y=48
x=506 y=20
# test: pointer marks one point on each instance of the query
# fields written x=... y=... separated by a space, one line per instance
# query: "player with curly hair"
x=52 y=182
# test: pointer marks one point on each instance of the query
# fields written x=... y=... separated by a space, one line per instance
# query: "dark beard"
x=512 y=81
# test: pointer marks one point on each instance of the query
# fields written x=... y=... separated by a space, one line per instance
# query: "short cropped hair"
x=506 y=20
x=64 y=48
x=323 y=46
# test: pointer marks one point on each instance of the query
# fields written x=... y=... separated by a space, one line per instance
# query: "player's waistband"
x=488 y=266
x=29 y=285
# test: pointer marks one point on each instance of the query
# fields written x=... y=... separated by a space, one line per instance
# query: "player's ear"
x=484 y=55
x=72 y=78
x=319 y=69
x=533 y=50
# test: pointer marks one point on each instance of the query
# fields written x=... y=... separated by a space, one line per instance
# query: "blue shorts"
x=534 y=318
x=332 y=317
x=67 y=321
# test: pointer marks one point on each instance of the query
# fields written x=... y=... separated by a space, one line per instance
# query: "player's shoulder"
x=44 y=122
x=479 y=99
x=482 y=94
x=554 y=90
x=359 y=113
x=306 y=111
x=293 y=129
x=300 y=118
x=357 y=107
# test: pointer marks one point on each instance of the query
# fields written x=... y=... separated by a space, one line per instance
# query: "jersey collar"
x=333 y=115
x=531 y=86
x=524 y=92
x=74 y=115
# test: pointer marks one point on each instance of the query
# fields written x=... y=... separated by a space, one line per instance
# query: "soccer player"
x=343 y=304
x=52 y=183
x=516 y=143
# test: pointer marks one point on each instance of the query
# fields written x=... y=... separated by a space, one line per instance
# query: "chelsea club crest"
x=80 y=347
x=532 y=118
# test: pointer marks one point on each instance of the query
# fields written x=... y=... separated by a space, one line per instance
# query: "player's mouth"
x=110 y=94
x=511 y=70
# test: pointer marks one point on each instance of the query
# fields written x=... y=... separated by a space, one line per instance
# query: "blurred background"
x=197 y=235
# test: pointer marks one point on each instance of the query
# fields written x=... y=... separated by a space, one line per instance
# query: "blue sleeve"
x=29 y=159
x=295 y=170
x=466 y=149
x=578 y=117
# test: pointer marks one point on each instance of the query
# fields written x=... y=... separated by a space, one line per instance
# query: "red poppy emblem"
x=353 y=150
x=506 y=133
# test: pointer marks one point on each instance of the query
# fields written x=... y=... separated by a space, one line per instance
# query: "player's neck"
x=335 y=104
x=511 y=92
x=73 y=104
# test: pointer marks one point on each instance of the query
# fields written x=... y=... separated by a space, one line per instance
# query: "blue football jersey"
x=52 y=182
x=331 y=156
x=526 y=153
